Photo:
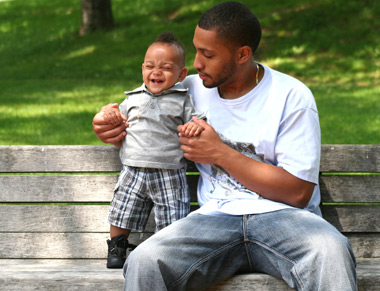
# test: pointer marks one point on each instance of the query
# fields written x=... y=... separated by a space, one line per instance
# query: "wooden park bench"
x=54 y=202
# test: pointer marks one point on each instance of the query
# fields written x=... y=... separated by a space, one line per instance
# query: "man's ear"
x=244 y=54
x=182 y=74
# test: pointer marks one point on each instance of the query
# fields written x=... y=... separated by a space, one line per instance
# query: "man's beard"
x=227 y=72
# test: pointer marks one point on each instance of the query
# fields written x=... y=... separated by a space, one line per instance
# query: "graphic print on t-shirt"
x=221 y=178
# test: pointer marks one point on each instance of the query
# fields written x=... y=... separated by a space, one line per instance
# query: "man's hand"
x=106 y=132
x=205 y=148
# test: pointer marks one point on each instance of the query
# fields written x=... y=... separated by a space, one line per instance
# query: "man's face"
x=214 y=61
x=161 y=68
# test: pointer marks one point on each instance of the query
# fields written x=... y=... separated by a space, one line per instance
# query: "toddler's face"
x=161 y=69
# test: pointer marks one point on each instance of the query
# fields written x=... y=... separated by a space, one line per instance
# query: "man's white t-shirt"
x=276 y=123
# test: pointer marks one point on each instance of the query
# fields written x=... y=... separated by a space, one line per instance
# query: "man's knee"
x=332 y=249
x=141 y=257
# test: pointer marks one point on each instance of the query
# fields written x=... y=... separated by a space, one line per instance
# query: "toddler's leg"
x=117 y=247
x=170 y=195
x=129 y=210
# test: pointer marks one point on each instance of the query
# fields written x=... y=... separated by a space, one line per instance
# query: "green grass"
x=52 y=81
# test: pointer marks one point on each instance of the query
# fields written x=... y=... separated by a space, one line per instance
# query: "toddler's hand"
x=190 y=129
x=112 y=116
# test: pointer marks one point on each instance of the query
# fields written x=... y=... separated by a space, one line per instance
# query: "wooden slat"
x=65 y=188
x=248 y=282
x=368 y=277
x=350 y=158
x=88 y=275
x=59 y=158
x=353 y=218
x=93 y=245
x=58 y=275
x=88 y=158
x=92 y=275
x=352 y=188
x=368 y=274
x=66 y=158
x=57 y=218
x=92 y=218
x=99 y=188
x=59 y=245
x=57 y=188
x=365 y=245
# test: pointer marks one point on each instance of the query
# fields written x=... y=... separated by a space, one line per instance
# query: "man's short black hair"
x=169 y=38
x=233 y=22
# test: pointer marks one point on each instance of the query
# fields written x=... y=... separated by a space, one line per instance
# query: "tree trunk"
x=96 y=14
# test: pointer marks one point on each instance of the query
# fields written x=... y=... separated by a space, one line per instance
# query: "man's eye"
x=207 y=56
x=149 y=67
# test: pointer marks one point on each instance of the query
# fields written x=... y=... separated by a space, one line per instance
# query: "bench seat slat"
x=368 y=276
x=86 y=275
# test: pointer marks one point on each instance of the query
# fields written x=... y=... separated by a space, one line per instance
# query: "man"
x=259 y=161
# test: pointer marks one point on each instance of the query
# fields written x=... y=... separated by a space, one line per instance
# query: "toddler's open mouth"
x=156 y=81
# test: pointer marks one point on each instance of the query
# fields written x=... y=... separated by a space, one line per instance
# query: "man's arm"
x=109 y=133
x=269 y=181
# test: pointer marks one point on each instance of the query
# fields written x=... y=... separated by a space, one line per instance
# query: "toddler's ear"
x=182 y=74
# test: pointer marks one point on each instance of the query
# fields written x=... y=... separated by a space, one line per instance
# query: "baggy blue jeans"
x=200 y=250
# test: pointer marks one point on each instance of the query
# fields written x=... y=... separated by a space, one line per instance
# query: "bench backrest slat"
x=334 y=158
x=92 y=218
x=90 y=245
x=42 y=159
x=350 y=158
x=99 y=188
x=350 y=188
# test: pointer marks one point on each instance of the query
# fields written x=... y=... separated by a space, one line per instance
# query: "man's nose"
x=197 y=64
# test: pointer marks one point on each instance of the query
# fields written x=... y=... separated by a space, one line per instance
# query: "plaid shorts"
x=138 y=190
